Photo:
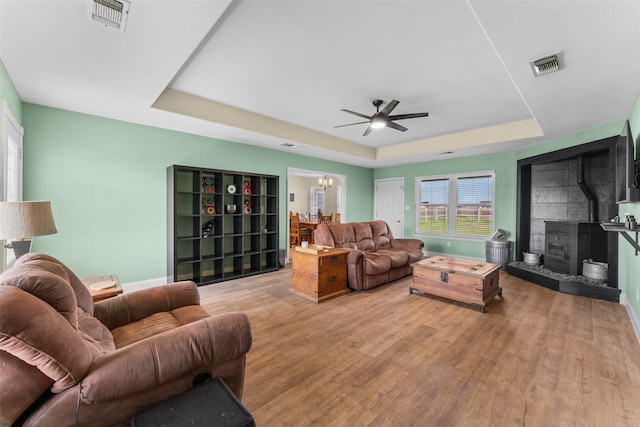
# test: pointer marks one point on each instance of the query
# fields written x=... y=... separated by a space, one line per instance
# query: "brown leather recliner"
x=65 y=361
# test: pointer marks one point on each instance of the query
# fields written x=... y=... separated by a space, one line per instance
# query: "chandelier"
x=325 y=183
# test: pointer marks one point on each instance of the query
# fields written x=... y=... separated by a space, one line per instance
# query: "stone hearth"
x=565 y=283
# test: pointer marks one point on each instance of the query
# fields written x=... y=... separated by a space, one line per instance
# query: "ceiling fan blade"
x=407 y=116
x=351 y=124
x=368 y=131
x=396 y=126
x=357 y=114
x=389 y=107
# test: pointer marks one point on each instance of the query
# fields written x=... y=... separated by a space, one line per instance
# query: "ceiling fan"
x=382 y=118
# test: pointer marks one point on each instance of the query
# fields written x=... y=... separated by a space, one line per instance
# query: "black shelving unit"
x=207 y=242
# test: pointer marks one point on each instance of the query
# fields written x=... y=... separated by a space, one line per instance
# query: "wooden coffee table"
x=471 y=282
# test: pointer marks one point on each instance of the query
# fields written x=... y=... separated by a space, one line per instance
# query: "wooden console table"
x=470 y=282
x=319 y=272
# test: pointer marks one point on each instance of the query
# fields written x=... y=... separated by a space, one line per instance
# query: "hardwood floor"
x=388 y=358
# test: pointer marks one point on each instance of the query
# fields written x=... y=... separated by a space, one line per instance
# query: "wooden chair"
x=336 y=218
x=325 y=219
x=297 y=234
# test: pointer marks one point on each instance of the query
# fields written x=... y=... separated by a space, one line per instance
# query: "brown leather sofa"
x=375 y=257
x=65 y=361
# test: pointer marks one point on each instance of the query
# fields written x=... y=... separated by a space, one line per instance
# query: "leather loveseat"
x=375 y=257
x=65 y=361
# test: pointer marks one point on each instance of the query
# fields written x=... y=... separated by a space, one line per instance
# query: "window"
x=459 y=205
x=317 y=200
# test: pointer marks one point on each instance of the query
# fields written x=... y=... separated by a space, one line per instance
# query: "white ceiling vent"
x=547 y=64
x=288 y=145
x=111 y=13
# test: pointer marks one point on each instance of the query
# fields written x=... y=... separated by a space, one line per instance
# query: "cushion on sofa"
x=376 y=264
x=397 y=258
x=380 y=233
x=156 y=324
x=95 y=335
x=82 y=294
x=343 y=236
x=48 y=281
x=45 y=281
x=364 y=236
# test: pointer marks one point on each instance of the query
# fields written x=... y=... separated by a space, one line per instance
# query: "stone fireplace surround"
x=550 y=188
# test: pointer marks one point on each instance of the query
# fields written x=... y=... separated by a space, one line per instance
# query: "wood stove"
x=568 y=243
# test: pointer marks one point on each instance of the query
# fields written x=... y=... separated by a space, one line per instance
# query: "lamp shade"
x=21 y=220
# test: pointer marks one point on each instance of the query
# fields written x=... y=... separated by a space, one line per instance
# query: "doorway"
x=389 y=204
x=305 y=195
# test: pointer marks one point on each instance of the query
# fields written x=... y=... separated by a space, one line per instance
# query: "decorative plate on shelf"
x=231 y=189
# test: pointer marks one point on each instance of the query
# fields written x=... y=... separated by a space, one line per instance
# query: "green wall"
x=106 y=180
x=9 y=93
x=629 y=262
x=504 y=166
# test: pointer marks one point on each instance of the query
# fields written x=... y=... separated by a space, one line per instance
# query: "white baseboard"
x=624 y=300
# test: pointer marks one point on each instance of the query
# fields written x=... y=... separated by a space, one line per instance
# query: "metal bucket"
x=497 y=252
x=531 y=259
x=595 y=270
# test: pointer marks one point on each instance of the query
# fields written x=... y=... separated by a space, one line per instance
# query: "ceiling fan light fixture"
x=378 y=123
x=382 y=118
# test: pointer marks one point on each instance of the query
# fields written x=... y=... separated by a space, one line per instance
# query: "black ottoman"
x=208 y=404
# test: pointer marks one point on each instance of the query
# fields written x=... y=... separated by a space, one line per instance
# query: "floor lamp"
x=21 y=220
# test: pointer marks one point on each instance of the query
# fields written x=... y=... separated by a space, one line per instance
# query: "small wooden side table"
x=319 y=272
x=103 y=287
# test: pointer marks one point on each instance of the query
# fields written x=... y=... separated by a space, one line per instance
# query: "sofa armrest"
x=355 y=256
x=133 y=306
x=189 y=349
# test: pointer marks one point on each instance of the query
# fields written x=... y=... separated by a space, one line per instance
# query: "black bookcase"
x=207 y=241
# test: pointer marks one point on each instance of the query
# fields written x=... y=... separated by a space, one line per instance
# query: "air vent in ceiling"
x=111 y=13
x=547 y=64
x=288 y=145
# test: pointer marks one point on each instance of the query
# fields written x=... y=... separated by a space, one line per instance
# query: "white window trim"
x=8 y=123
x=452 y=202
x=8 y=120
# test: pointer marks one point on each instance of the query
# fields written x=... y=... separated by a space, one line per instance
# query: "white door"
x=390 y=204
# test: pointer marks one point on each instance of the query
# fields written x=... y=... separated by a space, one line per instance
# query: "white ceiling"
x=271 y=72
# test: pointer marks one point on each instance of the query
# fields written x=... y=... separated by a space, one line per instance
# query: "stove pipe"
x=591 y=198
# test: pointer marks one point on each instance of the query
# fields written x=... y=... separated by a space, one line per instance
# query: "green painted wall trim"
x=106 y=180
